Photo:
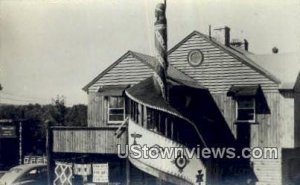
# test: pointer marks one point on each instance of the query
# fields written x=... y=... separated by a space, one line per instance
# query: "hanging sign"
x=100 y=173
x=82 y=169
x=7 y=131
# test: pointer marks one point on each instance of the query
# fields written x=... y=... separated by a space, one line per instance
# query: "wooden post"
x=161 y=48
x=127 y=172
x=140 y=114
x=166 y=126
x=49 y=145
x=172 y=129
x=145 y=116
x=20 y=143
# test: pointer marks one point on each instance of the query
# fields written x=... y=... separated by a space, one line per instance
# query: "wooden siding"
x=97 y=110
x=297 y=119
x=227 y=107
x=219 y=69
x=268 y=171
x=287 y=119
x=87 y=140
x=129 y=71
x=271 y=130
x=297 y=111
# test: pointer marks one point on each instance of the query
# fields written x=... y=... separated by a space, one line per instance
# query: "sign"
x=82 y=169
x=100 y=173
x=7 y=131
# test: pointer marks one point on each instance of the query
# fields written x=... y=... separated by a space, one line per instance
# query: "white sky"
x=55 y=47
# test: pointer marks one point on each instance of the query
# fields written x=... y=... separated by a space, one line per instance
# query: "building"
x=216 y=95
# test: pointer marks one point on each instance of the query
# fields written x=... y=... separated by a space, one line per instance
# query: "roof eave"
x=86 y=87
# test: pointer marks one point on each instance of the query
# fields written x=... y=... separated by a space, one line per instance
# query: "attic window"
x=195 y=57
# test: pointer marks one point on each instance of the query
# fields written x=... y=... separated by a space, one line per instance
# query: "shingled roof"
x=282 y=69
x=150 y=61
x=285 y=66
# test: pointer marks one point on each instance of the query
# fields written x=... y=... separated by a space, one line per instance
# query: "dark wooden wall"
x=297 y=112
x=87 y=140
x=97 y=110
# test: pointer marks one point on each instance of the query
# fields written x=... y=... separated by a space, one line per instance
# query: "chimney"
x=246 y=45
x=161 y=67
x=240 y=44
x=227 y=36
x=222 y=35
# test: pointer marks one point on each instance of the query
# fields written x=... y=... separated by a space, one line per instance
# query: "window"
x=116 y=109
x=245 y=109
x=195 y=57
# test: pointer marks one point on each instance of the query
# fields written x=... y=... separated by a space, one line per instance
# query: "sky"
x=55 y=47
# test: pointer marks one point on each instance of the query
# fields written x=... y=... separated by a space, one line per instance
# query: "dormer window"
x=245 y=109
x=250 y=101
x=116 y=109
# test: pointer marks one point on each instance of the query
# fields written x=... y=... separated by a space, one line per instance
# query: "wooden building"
x=219 y=95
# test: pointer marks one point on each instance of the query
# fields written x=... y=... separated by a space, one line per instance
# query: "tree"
x=76 y=115
x=36 y=115
x=59 y=110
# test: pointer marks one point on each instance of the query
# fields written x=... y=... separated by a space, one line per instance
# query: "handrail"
x=118 y=131
x=84 y=128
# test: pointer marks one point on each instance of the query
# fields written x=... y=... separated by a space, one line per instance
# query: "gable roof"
x=269 y=66
x=233 y=52
x=85 y=88
x=172 y=71
x=150 y=61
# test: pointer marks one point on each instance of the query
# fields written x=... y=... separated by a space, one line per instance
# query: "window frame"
x=108 y=111
x=237 y=110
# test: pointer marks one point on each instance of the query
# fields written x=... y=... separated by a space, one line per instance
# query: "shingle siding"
x=219 y=69
x=128 y=71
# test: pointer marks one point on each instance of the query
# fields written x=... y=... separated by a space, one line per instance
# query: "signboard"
x=7 y=131
x=100 y=173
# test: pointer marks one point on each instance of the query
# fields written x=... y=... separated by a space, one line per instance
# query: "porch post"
x=49 y=145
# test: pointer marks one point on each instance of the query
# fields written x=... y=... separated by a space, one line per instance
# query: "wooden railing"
x=175 y=168
x=88 y=140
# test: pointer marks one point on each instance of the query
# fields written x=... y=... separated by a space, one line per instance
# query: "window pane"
x=116 y=108
x=116 y=117
x=116 y=111
x=245 y=103
x=245 y=114
x=120 y=101
x=113 y=102
x=116 y=102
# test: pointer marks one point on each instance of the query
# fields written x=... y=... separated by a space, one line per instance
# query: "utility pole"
x=0 y=138
x=0 y=90
x=49 y=139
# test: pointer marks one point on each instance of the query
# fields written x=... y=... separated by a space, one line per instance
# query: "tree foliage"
x=36 y=115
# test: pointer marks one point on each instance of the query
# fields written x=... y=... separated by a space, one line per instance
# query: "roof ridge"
x=241 y=56
x=85 y=88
